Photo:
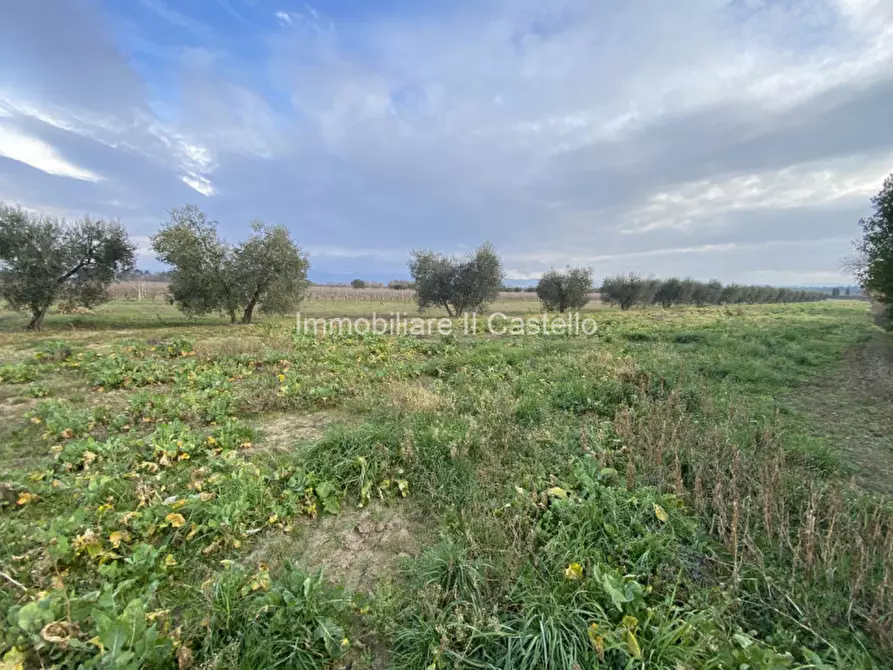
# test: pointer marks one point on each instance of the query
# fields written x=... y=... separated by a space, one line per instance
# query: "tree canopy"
x=561 y=290
x=628 y=290
x=457 y=285
x=210 y=275
x=44 y=259
x=270 y=270
x=874 y=264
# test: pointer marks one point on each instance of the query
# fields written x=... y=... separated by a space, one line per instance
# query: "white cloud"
x=198 y=183
x=38 y=154
x=284 y=18
x=703 y=203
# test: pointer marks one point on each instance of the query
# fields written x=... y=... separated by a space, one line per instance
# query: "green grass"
x=649 y=497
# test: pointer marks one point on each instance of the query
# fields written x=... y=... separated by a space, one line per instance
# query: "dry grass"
x=765 y=502
x=414 y=396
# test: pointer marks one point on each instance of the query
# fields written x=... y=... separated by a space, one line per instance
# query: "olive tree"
x=628 y=290
x=731 y=294
x=456 y=284
x=203 y=277
x=270 y=270
x=44 y=259
x=706 y=293
x=671 y=292
x=560 y=291
x=210 y=275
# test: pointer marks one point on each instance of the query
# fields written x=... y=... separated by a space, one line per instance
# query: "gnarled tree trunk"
x=37 y=318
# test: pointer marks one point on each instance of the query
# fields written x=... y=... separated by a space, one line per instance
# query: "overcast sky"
x=735 y=139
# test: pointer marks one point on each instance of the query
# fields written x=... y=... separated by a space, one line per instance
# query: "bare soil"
x=286 y=432
x=358 y=548
x=853 y=408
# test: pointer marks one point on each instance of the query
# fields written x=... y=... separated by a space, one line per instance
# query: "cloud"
x=198 y=183
x=38 y=154
x=705 y=202
x=284 y=18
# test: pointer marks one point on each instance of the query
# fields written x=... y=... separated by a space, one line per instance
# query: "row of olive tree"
x=631 y=289
x=44 y=260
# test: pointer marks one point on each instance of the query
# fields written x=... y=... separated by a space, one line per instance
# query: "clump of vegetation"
x=560 y=291
x=45 y=260
x=457 y=285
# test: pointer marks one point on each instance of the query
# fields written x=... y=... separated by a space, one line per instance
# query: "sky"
x=733 y=139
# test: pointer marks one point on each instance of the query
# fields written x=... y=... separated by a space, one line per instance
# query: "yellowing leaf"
x=88 y=541
x=25 y=498
x=592 y=631
x=598 y=642
x=661 y=514
x=556 y=492
x=13 y=660
x=573 y=572
x=127 y=517
x=118 y=537
x=261 y=580
x=170 y=561
x=632 y=644
x=175 y=520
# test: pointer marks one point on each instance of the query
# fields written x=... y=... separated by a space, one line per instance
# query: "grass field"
x=691 y=488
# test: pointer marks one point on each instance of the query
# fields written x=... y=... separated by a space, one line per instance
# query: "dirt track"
x=853 y=408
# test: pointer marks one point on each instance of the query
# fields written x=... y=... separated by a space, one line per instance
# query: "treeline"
x=630 y=290
x=44 y=261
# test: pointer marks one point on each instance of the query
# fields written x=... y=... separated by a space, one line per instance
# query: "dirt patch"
x=853 y=409
x=362 y=547
x=284 y=432
x=357 y=548
x=14 y=408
